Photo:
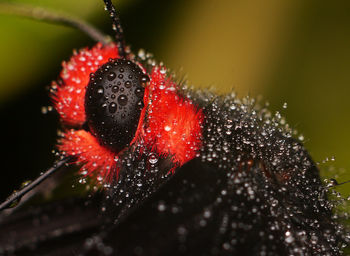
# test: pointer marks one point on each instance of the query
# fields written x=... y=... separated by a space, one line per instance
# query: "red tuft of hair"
x=68 y=94
x=173 y=125
x=95 y=159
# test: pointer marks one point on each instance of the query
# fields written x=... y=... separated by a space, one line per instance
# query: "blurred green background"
x=293 y=51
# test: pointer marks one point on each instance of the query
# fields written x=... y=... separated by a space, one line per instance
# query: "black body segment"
x=205 y=210
x=113 y=102
x=253 y=190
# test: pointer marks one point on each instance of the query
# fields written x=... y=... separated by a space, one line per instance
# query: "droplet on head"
x=112 y=107
x=111 y=76
x=144 y=80
x=99 y=91
x=127 y=84
x=115 y=89
x=139 y=92
x=123 y=100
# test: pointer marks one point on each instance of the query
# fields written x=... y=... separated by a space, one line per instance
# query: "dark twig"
x=18 y=194
x=41 y=14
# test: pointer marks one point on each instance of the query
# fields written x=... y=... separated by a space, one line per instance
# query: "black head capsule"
x=113 y=103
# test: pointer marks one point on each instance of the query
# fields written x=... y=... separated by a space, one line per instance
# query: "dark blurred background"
x=294 y=52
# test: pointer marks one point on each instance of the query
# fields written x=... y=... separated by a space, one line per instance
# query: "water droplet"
x=140 y=103
x=127 y=84
x=111 y=76
x=115 y=89
x=123 y=100
x=44 y=110
x=25 y=183
x=289 y=238
x=161 y=206
x=144 y=79
x=99 y=91
x=112 y=107
x=142 y=54
x=333 y=182
x=139 y=92
x=232 y=107
x=152 y=158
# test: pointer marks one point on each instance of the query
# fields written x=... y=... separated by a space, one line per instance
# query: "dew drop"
x=152 y=158
x=44 y=110
x=115 y=89
x=140 y=103
x=99 y=91
x=289 y=238
x=123 y=100
x=161 y=206
x=139 y=92
x=127 y=84
x=144 y=79
x=111 y=76
x=333 y=182
x=112 y=107
x=232 y=107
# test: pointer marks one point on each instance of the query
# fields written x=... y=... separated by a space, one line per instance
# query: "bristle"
x=96 y=160
x=174 y=123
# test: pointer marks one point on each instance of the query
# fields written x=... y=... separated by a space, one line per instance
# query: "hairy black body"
x=253 y=190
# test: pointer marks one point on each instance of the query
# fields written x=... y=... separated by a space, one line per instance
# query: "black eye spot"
x=113 y=103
